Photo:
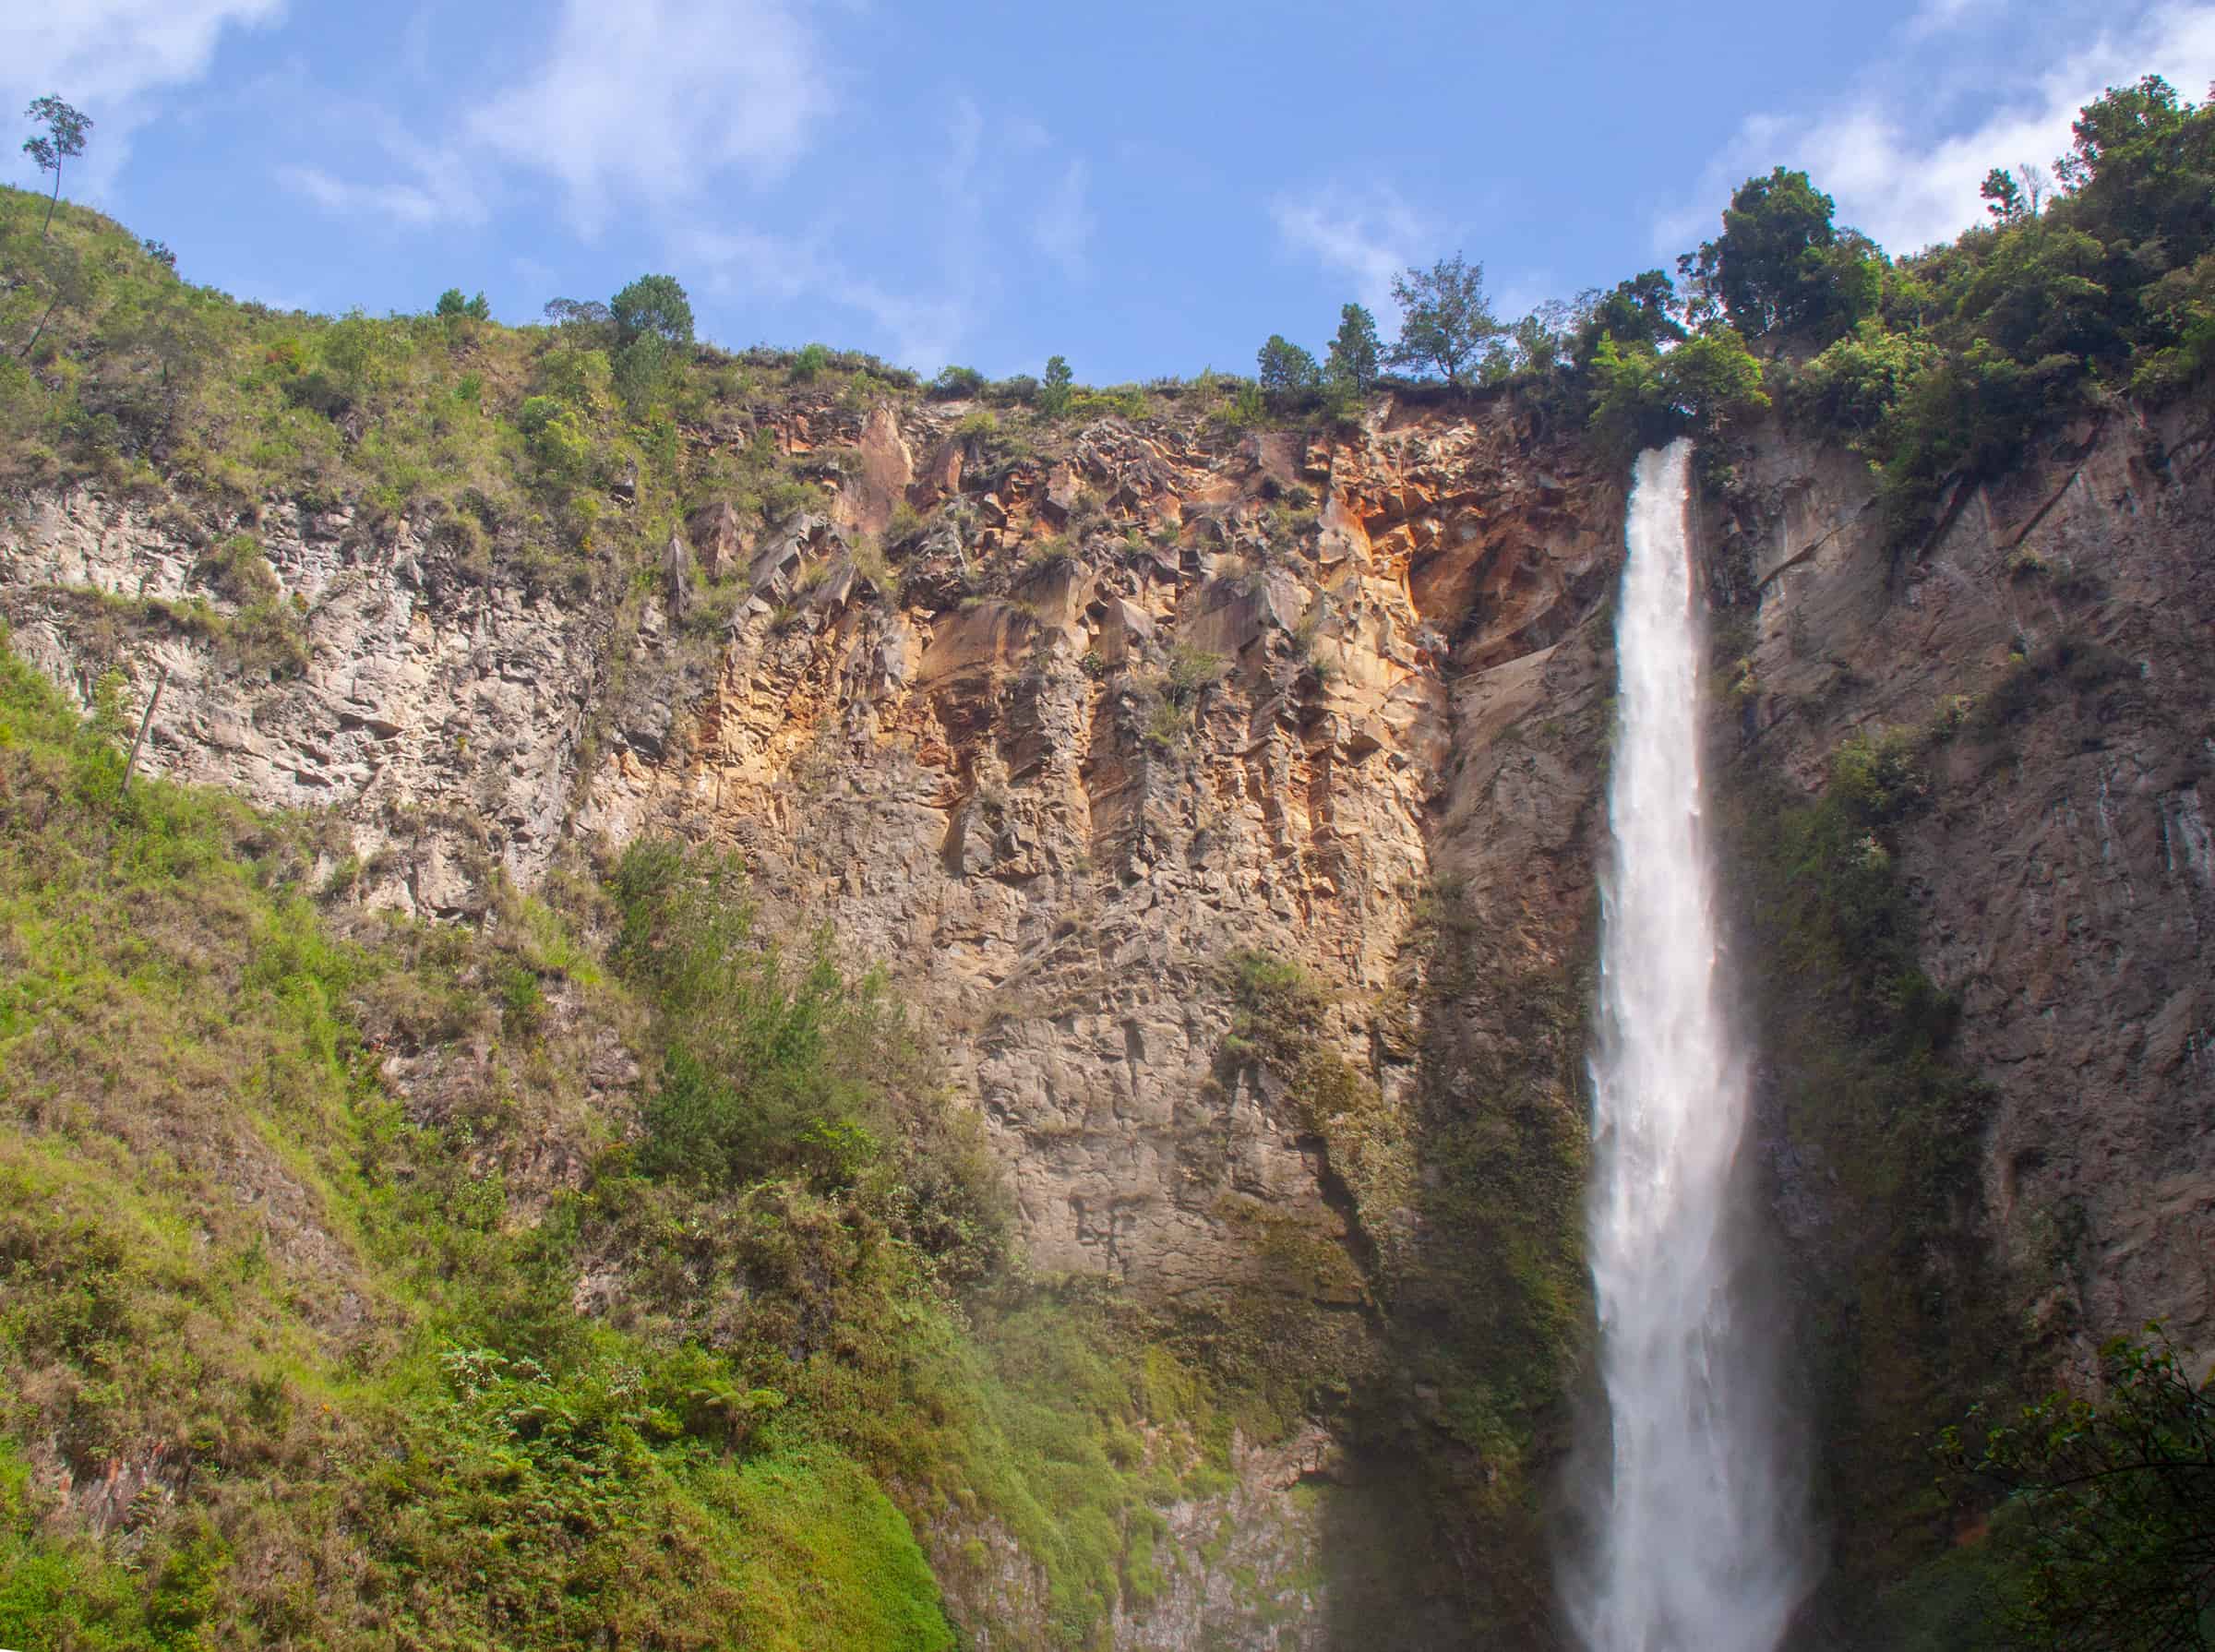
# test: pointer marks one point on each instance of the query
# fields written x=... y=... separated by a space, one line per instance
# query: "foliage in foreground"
x=2108 y=1530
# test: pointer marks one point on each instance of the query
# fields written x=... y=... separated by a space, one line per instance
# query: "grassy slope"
x=320 y=1340
x=234 y=1269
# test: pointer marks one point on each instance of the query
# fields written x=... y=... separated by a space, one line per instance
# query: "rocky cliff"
x=1227 y=803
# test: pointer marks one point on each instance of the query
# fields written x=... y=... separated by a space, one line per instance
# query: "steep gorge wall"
x=2053 y=644
x=2016 y=1165
x=1126 y=716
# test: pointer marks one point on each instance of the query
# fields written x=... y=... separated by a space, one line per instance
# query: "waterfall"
x=1697 y=1542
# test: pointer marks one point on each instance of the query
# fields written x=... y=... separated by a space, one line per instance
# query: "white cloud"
x=109 y=56
x=1371 y=236
x=648 y=101
x=1064 y=226
x=402 y=203
x=1909 y=186
x=439 y=186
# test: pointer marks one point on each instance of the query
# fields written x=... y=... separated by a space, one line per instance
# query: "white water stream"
x=1698 y=1545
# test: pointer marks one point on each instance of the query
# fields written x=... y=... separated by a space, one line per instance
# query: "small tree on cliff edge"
x=1284 y=371
x=1355 y=352
x=1053 y=395
x=1446 y=319
x=63 y=140
x=655 y=304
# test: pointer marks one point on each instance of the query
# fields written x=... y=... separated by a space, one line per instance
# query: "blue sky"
x=1149 y=188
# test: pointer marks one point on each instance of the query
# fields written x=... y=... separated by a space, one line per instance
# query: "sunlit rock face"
x=1242 y=704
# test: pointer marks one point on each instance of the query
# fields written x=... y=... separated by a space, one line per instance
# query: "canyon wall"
x=1226 y=806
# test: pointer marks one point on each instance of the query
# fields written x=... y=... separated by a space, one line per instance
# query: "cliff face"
x=2039 y=671
x=1085 y=745
x=2051 y=643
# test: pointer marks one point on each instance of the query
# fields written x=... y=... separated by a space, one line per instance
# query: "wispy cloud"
x=652 y=102
x=925 y=322
x=402 y=203
x=111 y=56
x=1909 y=186
x=1063 y=228
x=1369 y=235
x=439 y=187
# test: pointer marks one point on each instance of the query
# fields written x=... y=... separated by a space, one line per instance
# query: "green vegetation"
x=2060 y=304
x=1446 y=319
x=1286 y=371
x=1781 y=266
x=1909 y=1320
x=452 y=304
x=1054 y=391
x=1493 y=1311
x=2106 y=1538
x=64 y=139
x=337 y=1337
x=548 y=453
x=1937 y=365
x=1356 y=352
x=1707 y=383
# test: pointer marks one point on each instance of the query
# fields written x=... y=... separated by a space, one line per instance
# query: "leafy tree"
x=1704 y=386
x=2042 y=291
x=585 y=313
x=452 y=304
x=159 y=251
x=1639 y=312
x=655 y=304
x=1853 y=388
x=1532 y=346
x=1285 y=370
x=1053 y=395
x=1780 y=265
x=1356 y=352
x=2140 y=178
x=2180 y=318
x=642 y=370
x=2111 y=1506
x=1446 y=320
x=64 y=139
x=2004 y=198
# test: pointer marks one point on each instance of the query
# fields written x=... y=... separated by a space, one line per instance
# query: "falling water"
x=1696 y=1546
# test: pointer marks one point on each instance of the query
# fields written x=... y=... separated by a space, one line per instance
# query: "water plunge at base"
x=1697 y=1534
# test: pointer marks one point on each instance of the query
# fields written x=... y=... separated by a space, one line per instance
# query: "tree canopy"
x=653 y=304
x=2110 y=1511
x=1356 y=352
x=1446 y=319
x=1781 y=266
x=1284 y=369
